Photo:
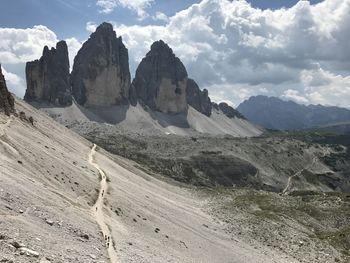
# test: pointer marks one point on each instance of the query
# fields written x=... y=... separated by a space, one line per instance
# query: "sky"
x=295 y=50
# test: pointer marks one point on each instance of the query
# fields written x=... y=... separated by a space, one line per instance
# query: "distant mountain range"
x=274 y=113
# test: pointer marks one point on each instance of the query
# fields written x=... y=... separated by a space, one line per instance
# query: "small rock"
x=50 y=222
x=8 y=207
x=85 y=236
x=92 y=256
x=16 y=244
x=29 y=252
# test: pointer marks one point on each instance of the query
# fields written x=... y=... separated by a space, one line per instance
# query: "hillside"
x=48 y=189
x=52 y=180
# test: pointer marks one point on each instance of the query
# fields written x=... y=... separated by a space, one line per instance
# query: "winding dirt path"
x=97 y=209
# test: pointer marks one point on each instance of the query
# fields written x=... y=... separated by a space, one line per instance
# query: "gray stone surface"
x=101 y=75
x=160 y=81
x=6 y=99
x=198 y=99
x=48 y=77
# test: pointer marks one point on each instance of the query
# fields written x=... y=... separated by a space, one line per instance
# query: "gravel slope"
x=48 y=189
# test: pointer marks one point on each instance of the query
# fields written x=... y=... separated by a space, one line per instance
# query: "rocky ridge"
x=6 y=99
x=48 y=77
x=101 y=75
x=101 y=78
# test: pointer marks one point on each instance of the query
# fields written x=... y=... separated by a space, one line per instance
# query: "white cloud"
x=291 y=94
x=21 y=45
x=232 y=44
x=324 y=87
x=137 y=6
x=159 y=16
x=91 y=27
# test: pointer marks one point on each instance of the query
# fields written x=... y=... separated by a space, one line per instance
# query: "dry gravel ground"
x=48 y=189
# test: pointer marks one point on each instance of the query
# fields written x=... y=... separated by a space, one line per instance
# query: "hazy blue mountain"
x=274 y=113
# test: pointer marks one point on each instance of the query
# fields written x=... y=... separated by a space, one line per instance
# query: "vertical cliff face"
x=48 y=78
x=7 y=102
x=161 y=80
x=101 y=75
x=198 y=99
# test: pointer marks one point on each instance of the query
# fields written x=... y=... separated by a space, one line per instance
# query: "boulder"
x=160 y=81
x=198 y=99
x=101 y=75
x=7 y=102
x=48 y=78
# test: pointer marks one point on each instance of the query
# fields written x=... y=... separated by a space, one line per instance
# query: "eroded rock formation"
x=161 y=80
x=228 y=110
x=7 y=102
x=198 y=99
x=101 y=75
x=48 y=77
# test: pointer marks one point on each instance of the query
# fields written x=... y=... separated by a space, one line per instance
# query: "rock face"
x=228 y=110
x=48 y=78
x=7 y=102
x=160 y=81
x=198 y=99
x=101 y=75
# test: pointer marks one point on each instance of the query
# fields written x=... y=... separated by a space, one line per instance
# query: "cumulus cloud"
x=159 y=16
x=324 y=87
x=291 y=94
x=137 y=6
x=232 y=44
x=21 y=45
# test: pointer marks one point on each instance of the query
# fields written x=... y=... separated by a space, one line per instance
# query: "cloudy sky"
x=296 y=50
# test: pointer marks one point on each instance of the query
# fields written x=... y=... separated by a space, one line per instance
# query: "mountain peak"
x=48 y=78
x=101 y=75
x=161 y=79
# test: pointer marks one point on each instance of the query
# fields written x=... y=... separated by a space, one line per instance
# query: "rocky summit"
x=101 y=75
x=48 y=77
x=198 y=99
x=161 y=80
x=6 y=99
